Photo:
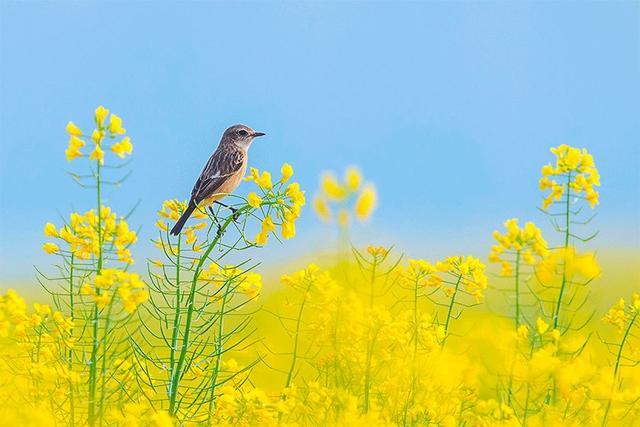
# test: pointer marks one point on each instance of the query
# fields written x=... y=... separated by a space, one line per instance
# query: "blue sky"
x=449 y=108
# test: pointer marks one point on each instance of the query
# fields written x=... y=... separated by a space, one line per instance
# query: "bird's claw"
x=235 y=214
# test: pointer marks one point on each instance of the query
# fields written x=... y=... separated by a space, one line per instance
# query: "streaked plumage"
x=223 y=172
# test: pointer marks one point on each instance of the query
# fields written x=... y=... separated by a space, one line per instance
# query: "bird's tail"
x=185 y=216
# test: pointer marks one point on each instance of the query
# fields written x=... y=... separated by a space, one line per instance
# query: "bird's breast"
x=228 y=186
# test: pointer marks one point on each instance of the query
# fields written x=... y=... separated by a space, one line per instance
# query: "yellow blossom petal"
x=115 y=125
x=352 y=178
x=101 y=115
x=73 y=130
x=287 y=172
x=366 y=203
x=97 y=154
x=254 y=200
x=50 y=248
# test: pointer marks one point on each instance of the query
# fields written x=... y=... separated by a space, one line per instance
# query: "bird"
x=222 y=173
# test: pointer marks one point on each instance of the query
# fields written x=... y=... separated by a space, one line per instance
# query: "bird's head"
x=240 y=135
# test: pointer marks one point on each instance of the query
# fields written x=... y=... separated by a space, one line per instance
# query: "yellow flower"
x=592 y=197
x=251 y=284
x=101 y=115
x=172 y=209
x=297 y=196
x=352 y=178
x=332 y=189
x=50 y=248
x=541 y=326
x=254 y=200
x=378 y=251
x=617 y=315
x=97 y=154
x=262 y=180
x=322 y=208
x=366 y=203
x=97 y=135
x=102 y=300
x=191 y=235
x=287 y=172
x=527 y=240
x=50 y=230
x=123 y=147
x=72 y=153
x=73 y=130
x=523 y=332
x=73 y=150
x=162 y=225
x=577 y=167
x=544 y=183
x=115 y=125
x=267 y=227
x=288 y=229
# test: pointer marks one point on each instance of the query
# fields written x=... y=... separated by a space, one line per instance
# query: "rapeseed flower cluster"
x=569 y=264
x=110 y=129
x=248 y=283
x=279 y=204
x=111 y=283
x=526 y=242
x=170 y=212
x=578 y=172
x=351 y=196
x=85 y=234
x=620 y=313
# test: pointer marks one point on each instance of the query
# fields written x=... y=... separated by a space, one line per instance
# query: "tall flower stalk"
x=87 y=243
x=625 y=318
x=517 y=250
x=578 y=177
x=194 y=330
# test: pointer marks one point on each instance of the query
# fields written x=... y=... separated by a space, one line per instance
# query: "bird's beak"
x=257 y=134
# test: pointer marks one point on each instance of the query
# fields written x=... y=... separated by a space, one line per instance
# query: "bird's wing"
x=222 y=164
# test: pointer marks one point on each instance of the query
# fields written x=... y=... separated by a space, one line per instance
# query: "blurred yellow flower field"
x=361 y=337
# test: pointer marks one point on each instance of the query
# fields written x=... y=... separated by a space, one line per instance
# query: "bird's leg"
x=215 y=218
x=233 y=210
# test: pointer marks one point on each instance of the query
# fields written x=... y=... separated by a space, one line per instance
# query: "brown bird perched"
x=223 y=172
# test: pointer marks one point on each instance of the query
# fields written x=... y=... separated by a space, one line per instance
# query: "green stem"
x=414 y=379
x=216 y=370
x=517 y=288
x=334 y=341
x=622 y=343
x=617 y=367
x=176 y=318
x=72 y=410
x=370 y=346
x=526 y=406
x=453 y=299
x=177 y=374
x=103 y=368
x=92 y=365
x=567 y=216
x=373 y=281
x=367 y=376
x=95 y=317
x=294 y=352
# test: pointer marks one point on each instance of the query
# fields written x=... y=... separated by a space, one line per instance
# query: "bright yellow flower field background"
x=538 y=330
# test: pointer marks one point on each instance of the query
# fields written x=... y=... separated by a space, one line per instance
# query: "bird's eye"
x=243 y=132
